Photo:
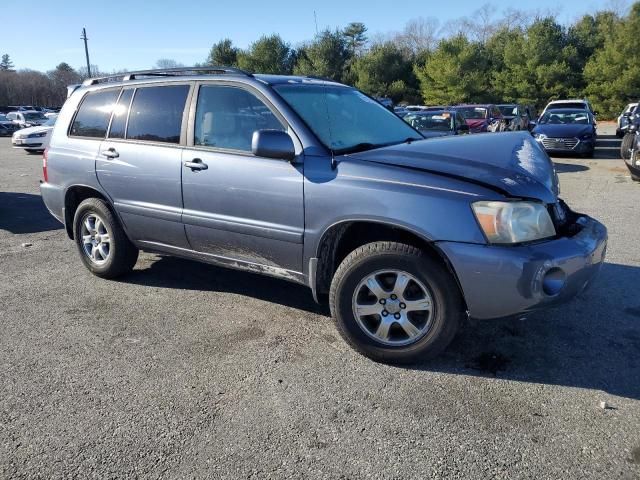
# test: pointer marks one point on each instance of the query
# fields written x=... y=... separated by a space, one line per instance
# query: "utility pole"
x=86 y=50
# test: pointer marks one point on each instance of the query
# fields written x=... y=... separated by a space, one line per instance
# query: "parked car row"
x=28 y=129
x=479 y=118
x=29 y=108
x=564 y=126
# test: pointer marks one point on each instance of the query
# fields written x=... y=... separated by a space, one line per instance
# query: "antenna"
x=86 y=50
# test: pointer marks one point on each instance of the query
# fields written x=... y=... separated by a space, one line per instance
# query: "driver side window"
x=226 y=117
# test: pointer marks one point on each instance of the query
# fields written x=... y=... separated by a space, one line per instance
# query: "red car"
x=482 y=117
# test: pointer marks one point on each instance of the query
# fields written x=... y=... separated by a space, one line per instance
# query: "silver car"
x=315 y=182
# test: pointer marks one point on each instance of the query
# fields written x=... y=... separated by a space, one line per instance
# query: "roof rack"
x=165 y=72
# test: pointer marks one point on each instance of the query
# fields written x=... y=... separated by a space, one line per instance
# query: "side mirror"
x=273 y=144
x=463 y=128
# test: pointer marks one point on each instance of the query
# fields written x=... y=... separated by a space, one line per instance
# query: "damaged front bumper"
x=500 y=281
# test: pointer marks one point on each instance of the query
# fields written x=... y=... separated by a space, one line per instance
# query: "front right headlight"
x=513 y=222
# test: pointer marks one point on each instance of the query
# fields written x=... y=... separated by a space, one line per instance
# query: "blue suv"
x=315 y=182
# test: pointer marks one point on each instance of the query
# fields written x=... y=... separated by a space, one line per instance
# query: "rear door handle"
x=196 y=164
x=110 y=153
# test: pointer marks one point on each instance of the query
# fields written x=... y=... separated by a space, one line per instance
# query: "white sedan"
x=34 y=139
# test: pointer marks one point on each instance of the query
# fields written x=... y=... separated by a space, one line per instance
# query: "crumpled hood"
x=509 y=162
x=563 y=130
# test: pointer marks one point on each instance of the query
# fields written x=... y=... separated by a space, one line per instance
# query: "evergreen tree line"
x=525 y=57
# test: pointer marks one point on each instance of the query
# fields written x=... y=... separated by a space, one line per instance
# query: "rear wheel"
x=104 y=247
x=394 y=304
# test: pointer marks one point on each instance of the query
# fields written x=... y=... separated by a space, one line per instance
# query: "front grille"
x=559 y=143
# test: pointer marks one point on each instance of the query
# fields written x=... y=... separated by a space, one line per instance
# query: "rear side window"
x=92 y=118
x=226 y=117
x=119 y=120
x=156 y=113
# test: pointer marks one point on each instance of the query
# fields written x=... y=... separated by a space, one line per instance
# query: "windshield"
x=565 y=117
x=34 y=116
x=50 y=123
x=508 y=110
x=344 y=119
x=473 y=112
x=436 y=121
x=3 y=118
x=556 y=106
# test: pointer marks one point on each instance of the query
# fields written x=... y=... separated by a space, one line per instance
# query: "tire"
x=437 y=325
x=109 y=253
x=31 y=151
x=625 y=146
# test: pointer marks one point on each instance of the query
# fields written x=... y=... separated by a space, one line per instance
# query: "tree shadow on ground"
x=25 y=213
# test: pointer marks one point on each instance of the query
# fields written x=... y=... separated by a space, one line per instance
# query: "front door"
x=239 y=207
x=139 y=164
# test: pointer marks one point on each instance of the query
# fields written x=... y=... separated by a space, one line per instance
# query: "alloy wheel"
x=393 y=307
x=96 y=238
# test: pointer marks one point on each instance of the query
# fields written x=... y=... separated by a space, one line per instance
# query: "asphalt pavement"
x=184 y=370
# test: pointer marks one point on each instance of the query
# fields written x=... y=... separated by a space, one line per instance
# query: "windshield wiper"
x=364 y=146
x=358 y=147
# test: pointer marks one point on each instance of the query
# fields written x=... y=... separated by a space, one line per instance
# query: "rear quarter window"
x=93 y=115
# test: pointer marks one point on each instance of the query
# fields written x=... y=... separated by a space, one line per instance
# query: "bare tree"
x=167 y=63
x=418 y=35
x=619 y=7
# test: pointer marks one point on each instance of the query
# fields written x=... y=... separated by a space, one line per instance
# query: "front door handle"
x=196 y=164
x=110 y=153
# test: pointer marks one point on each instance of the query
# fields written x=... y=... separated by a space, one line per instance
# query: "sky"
x=135 y=34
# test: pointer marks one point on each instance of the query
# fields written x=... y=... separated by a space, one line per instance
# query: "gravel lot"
x=187 y=370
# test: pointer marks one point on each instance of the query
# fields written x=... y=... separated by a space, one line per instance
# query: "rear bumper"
x=501 y=281
x=53 y=198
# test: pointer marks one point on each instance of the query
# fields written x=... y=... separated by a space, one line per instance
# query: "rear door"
x=139 y=164
x=238 y=206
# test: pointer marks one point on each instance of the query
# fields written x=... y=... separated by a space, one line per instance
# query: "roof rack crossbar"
x=165 y=72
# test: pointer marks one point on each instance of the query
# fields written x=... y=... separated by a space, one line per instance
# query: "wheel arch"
x=343 y=237
x=73 y=196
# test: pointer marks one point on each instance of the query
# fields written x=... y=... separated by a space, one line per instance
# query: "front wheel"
x=625 y=146
x=394 y=304
x=104 y=247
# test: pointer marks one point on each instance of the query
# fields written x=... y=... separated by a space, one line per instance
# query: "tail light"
x=44 y=165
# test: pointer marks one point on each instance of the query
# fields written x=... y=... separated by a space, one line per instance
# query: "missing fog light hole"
x=553 y=281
